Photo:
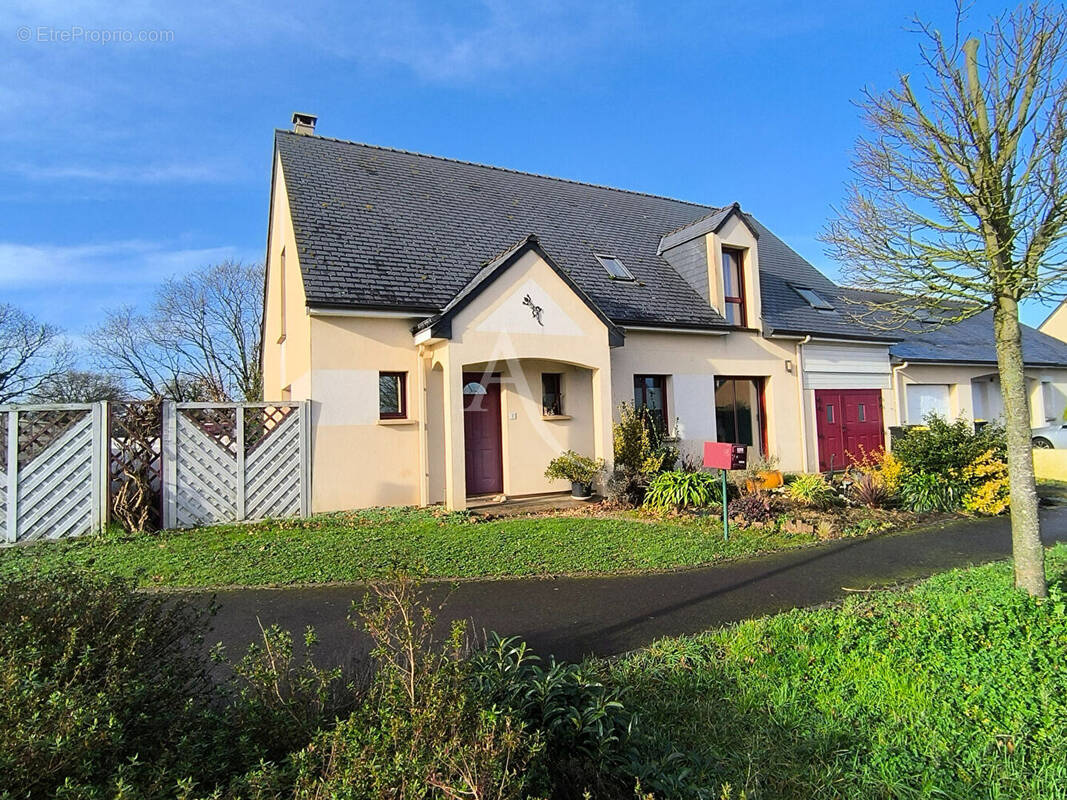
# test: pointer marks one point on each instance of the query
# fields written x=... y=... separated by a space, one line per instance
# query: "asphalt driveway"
x=574 y=617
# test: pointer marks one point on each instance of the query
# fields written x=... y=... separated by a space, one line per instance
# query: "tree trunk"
x=1027 y=550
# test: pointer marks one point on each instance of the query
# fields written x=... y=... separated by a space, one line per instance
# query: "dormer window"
x=615 y=268
x=733 y=286
x=813 y=298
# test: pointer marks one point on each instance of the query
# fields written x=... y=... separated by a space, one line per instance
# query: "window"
x=392 y=395
x=733 y=286
x=650 y=393
x=813 y=298
x=829 y=412
x=1048 y=400
x=281 y=298
x=615 y=268
x=861 y=412
x=739 y=412
x=925 y=399
x=551 y=394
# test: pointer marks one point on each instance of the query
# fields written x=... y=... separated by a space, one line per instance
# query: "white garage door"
x=925 y=399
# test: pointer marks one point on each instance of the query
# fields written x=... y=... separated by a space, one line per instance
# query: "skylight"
x=813 y=298
x=615 y=268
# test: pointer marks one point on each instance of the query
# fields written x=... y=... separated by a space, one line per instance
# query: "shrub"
x=925 y=491
x=641 y=453
x=421 y=729
x=756 y=508
x=571 y=466
x=941 y=448
x=869 y=490
x=883 y=464
x=103 y=691
x=987 y=477
x=810 y=489
x=584 y=726
x=281 y=703
x=678 y=489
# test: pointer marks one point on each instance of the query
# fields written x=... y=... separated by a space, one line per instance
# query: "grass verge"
x=368 y=544
x=956 y=688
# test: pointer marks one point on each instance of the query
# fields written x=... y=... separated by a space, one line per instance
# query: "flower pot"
x=765 y=479
x=581 y=491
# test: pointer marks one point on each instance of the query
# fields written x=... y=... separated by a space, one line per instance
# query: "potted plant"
x=580 y=470
x=763 y=474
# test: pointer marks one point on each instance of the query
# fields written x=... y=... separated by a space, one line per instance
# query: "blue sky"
x=127 y=162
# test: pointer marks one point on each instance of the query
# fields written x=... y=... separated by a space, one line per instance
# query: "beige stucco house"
x=1055 y=324
x=455 y=326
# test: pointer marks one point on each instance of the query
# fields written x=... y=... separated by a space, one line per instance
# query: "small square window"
x=551 y=394
x=392 y=395
x=829 y=413
x=615 y=268
x=861 y=412
x=813 y=298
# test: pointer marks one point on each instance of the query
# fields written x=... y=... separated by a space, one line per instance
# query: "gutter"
x=800 y=400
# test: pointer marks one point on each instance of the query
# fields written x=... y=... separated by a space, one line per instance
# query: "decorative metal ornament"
x=536 y=310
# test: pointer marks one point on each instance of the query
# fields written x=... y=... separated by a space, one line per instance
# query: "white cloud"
x=119 y=263
x=127 y=173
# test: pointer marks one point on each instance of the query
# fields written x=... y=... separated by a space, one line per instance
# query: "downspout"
x=424 y=456
x=896 y=392
x=800 y=401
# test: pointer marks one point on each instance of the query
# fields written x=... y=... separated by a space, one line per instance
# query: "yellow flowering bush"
x=987 y=476
x=886 y=468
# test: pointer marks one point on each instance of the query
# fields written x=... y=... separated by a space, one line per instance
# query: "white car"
x=1051 y=436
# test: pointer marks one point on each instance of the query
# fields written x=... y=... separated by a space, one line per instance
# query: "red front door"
x=849 y=421
x=481 y=434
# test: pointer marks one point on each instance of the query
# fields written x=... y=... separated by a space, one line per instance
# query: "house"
x=455 y=326
x=1055 y=324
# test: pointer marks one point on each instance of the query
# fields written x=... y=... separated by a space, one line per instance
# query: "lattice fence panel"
x=207 y=476
x=55 y=487
x=272 y=473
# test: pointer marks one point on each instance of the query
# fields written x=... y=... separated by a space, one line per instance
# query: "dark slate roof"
x=971 y=341
x=786 y=312
x=387 y=228
x=384 y=228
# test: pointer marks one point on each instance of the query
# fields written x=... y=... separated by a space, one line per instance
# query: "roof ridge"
x=712 y=209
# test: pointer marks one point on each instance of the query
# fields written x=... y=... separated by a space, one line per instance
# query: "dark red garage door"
x=849 y=420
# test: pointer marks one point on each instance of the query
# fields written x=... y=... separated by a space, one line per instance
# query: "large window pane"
x=736 y=410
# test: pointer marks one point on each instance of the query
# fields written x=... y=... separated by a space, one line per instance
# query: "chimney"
x=304 y=124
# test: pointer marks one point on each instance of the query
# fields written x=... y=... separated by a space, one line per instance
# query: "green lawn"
x=366 y=544
x=954 y=689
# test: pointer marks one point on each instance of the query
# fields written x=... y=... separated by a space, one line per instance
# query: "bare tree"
x=199 y=341
x=79 y=386
x=959 y=206
x=31 y=352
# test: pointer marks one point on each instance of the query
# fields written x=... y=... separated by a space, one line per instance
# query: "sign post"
x=725 y=456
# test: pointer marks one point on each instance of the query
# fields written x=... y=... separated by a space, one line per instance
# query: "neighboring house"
x=1055 y=324
x=455 y=326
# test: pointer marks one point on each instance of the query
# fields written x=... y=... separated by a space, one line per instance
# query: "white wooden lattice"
x=207 y=478
x=54 y=481
x=211 y=474
x=53 y=472
x=272 y=485
x=55 y=489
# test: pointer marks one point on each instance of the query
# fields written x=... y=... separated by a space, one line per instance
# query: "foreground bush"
x=102 y=692
x=947 y=449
